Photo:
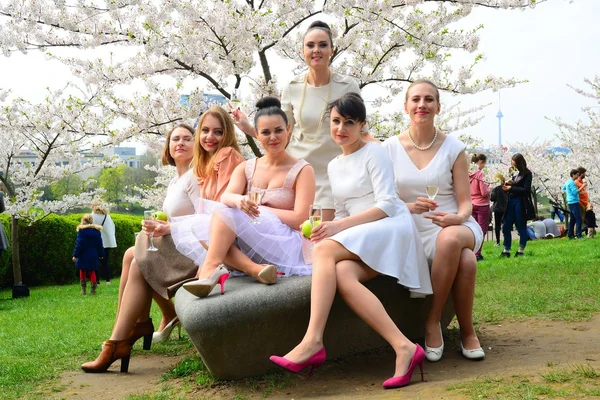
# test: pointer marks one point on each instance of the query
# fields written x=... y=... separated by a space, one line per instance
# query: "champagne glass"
x=149 y=218
x=431 y=187
x=315 y=216
x=255 y=194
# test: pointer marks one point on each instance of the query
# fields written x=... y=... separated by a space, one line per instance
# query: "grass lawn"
x=55 y=329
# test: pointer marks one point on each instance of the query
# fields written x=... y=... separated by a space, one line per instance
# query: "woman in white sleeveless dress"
x=373 y=234
x=450 y=235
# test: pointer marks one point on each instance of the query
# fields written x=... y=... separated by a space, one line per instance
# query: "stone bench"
x=236 y=333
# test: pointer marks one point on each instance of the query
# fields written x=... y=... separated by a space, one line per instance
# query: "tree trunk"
x=16 y=257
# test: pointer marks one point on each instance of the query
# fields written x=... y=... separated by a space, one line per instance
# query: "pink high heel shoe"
x=404 y=380
x=313 y=361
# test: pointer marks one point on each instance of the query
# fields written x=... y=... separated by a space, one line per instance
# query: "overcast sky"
x=551 y=46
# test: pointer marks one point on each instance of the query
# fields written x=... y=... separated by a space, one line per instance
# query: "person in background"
x=590 y=221
x=552 y=230
x=582 y=187
x=556 y=211
x=3 y=239
x=500 y=199
x=537 y=229
x=570 y=188
x=519 y=205
x=88 y=250
x=480 y=196
x=109 y=241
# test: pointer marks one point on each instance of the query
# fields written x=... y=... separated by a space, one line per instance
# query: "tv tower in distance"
x=499 y=116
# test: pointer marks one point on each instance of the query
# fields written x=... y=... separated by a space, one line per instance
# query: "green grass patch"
x=573 y=382
x=55 y=330
x=556 y=279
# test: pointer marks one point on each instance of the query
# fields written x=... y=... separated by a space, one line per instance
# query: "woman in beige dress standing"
x=304 y=100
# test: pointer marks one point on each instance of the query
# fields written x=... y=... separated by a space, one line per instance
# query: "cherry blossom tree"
x=213 y=46
x=583 y=137
x=42 y=143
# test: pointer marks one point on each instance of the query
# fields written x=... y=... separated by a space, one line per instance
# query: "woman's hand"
x=241 y=120
x=324 y=230
x=161 y=228
x=506 y=188
x=249 y=207
x=148 y=226
x=423 y=204
x=444 y=219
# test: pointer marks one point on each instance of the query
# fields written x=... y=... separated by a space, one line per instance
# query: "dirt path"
x=523 y=348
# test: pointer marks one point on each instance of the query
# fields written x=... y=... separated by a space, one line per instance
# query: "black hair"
x=478 y=157
x=582 y=170
x=268 y=106
x=322 y=26
x=574 y=172
x=521 y=163
x=350 y=106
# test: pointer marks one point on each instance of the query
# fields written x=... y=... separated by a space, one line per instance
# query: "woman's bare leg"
x=350 y=275
x=127 y=259
x=463 y=293
x=326 y=255
x=135 y=304
x=449 y=245
x=222 y=238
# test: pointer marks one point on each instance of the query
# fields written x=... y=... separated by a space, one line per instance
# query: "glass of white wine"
x=432 y=187
x=149 y=218
x=315 y=216
x=255 y=194
x=235 y=97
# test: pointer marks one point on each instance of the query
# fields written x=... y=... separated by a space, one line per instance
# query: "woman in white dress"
x=259 y=238
x=449 y=234
x=373 y=233
x=305 y=99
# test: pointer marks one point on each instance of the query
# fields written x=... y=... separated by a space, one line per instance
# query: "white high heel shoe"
x=203 y=287
x=434 y=354
x=160 y=336
x=475 y=354
x=268 y=275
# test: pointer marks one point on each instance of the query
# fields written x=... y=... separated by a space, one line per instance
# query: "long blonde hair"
x=203 y=160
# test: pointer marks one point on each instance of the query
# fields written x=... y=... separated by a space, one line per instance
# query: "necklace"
x=316 y=136
x=426 y=147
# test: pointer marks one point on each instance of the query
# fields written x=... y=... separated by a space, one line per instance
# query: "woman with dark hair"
x=305 y=99
x=373 y=233
x=159 y=273
x=480 y=196
x=234 y=238
x=519 y=208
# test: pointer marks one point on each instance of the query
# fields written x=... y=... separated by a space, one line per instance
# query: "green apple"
x=161 y=216
x=306 y=229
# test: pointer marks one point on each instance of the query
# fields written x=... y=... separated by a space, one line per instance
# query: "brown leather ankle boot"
x=145 y=329
x=83 y=286
x=112 y=350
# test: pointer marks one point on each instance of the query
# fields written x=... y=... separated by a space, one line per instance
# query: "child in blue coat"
x=88 y=250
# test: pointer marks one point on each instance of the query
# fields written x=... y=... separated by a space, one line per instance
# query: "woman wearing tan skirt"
x=216 y=154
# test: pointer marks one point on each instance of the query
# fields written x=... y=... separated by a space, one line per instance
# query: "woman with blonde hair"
x=88 y=250
x=161 y=272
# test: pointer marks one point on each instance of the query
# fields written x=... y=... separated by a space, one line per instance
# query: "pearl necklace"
x=426 y=147
x=320 y=125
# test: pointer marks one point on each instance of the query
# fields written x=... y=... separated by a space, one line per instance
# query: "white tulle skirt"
x=270 y=242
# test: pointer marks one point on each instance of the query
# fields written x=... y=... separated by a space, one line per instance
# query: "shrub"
x=47 y=248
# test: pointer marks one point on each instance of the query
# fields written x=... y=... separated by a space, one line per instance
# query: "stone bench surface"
x=236 y=333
